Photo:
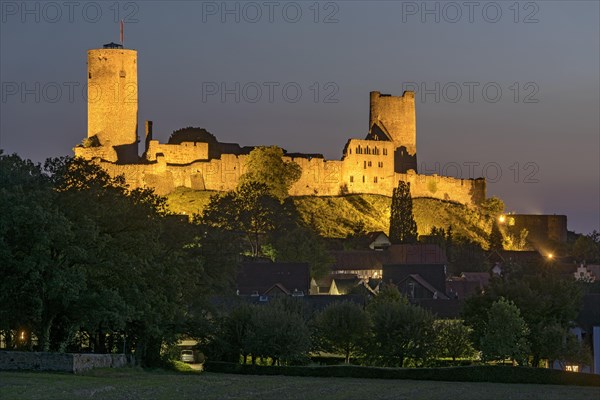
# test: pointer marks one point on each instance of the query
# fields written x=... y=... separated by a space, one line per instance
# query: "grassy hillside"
x=337 y=216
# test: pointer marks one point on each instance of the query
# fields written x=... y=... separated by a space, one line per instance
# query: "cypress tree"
x=403 y=228
x=495 y=239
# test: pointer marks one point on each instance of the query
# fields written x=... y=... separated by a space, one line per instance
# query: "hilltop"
x=336 y=216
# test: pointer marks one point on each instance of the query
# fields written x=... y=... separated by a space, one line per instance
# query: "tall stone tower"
x=113 y=100
x=394 y=118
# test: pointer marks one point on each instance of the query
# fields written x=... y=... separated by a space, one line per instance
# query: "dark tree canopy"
x=403 y=228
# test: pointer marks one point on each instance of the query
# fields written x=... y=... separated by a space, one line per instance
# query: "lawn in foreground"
x=138 y=384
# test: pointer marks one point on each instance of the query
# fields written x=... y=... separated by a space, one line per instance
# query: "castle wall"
x=397 y=115
x=113 y=100
x=542 y=228
x=184 y=153
x=319 y=177
x=465 y=191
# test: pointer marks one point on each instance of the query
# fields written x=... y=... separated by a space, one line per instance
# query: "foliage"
x=401 y=333
x=587 y=248
x=192 y=134
x=278 y=334
x=250 y=211
x=265 y=165
x=453 y=339
x=86 y=262
x=516 y=242
x=91 y=141
x=495 y=240
x=505 y=333
x=544 y=298
x=466 y=255
x=403 y=228
x=338 y=216
x=493 y=206
x=342 y=327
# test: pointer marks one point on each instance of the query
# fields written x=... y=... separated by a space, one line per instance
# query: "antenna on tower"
x=122 y=33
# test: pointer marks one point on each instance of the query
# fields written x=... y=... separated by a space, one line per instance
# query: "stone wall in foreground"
x=63 y=362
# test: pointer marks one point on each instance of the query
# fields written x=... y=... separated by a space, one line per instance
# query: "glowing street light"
x=550 y=256
x=502 y=218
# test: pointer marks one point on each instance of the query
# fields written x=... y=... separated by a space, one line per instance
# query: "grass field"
x=139 y=384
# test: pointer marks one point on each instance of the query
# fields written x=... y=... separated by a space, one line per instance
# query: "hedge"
x=491 y=373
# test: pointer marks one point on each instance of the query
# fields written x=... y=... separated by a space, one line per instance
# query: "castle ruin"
x=373 y=165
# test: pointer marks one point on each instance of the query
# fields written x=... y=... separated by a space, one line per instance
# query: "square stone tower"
x=113 y=100
x=394 y=118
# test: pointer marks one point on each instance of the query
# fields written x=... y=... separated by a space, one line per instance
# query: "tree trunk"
x=44 y=338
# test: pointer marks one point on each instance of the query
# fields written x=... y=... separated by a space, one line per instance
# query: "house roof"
x=434 y=275
x=462 y=288
x=261 y=277
x=394 y=254
x=482 y=277
x=419 y=280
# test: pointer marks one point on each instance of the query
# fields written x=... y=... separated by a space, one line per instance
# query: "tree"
x=265 y=165
x=453 y=339
x=587 y=248
x=403 y=228
x=278 y=334
x=293 y=240
x=400 y=332
x=250 y=211
x=466 y=255
x=495 y=239
x=342 y=327
x=505 y=333
x=493 y=207
x=80 y=253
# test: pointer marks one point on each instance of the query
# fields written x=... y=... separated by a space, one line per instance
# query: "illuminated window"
x=572 y=368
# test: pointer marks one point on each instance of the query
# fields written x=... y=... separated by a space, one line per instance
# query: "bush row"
x=488 y=373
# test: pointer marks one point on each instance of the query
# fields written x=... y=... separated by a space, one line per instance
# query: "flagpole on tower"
x=122 y=33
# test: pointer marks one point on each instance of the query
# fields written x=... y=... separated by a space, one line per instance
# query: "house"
x=417 y=281
x=368 y=264
x=466 y=284
x=273 y=279
x=378 y=240
x=587 y=273
x=343 y=285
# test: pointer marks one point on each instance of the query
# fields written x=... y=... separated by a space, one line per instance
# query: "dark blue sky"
x=541 y=131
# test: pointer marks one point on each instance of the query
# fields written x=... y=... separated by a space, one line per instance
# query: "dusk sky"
x=514 y=87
